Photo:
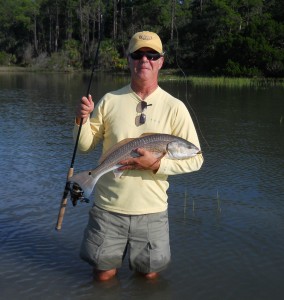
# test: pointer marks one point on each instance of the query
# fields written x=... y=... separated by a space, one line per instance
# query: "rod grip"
x=64 y=200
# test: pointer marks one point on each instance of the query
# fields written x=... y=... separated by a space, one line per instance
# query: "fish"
x=161 y=145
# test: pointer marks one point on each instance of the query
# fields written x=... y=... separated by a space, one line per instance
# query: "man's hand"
x=84 y=109
x=146 y=161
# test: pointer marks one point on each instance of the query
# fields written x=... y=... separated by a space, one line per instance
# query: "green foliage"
x=224 y=37
x=234 y=69
x=109 y=57
x=6 y=59
x=72 y=54
x=58 y=61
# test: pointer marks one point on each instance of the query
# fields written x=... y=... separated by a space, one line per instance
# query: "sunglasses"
x=150 y=55
x=144 y=105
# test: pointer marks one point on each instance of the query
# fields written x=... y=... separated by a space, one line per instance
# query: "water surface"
x=226 y=221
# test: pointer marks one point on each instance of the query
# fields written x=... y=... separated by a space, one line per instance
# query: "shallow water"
x=226 y=221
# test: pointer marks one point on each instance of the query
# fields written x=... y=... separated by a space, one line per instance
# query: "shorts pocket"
x=94 y=236
x=160 y=255
x=90 y=247
x=159 y=242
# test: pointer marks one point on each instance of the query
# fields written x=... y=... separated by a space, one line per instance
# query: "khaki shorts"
x=108 y=236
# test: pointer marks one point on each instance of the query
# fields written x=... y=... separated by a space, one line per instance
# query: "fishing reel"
x=77 y=194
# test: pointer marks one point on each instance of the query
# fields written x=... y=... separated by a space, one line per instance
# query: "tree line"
x=216 y=37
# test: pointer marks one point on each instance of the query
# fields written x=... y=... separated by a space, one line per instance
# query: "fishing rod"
x=76 y=192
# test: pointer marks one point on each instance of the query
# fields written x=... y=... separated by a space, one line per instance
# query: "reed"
x=218 y=203
x=184 y=203
x=223 y=81
x=281 y=120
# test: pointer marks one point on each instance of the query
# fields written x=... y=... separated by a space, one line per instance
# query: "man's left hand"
x=146 y=161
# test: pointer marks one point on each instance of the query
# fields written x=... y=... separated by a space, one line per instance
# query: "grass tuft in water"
x=185 y=203
x=218 y=203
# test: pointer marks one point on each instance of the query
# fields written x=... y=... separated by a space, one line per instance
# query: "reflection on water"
x=226 y=220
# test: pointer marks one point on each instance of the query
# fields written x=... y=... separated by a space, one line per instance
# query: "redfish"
x=161 y=145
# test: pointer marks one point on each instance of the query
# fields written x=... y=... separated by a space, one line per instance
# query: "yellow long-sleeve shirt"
x=114 y=119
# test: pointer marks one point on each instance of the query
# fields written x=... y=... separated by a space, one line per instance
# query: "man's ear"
x=161 y=62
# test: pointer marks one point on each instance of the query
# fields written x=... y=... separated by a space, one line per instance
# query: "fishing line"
x=186 y=89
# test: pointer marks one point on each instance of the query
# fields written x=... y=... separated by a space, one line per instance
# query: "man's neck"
x=143 y=90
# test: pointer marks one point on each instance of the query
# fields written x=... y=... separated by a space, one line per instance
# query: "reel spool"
x=77 y=194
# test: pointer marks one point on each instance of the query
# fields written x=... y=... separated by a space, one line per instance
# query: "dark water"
x=226 y=220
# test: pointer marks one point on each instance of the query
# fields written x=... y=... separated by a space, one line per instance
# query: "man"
x=130 y=212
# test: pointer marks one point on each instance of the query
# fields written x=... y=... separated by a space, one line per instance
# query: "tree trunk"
x=173 y=18
x=114 y=20
x=69 y=24
x=56 y=30
x=50 y=32
x=35 y=36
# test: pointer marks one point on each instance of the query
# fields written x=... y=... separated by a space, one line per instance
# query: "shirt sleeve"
x=91 y=132
x=182 y=126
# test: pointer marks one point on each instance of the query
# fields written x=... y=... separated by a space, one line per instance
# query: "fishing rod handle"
x=64 y=201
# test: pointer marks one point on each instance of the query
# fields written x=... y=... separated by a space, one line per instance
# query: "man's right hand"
x=84 y=109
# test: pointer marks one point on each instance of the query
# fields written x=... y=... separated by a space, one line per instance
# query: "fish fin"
x=147 y=133
x=114 y=148
x=117 y=174
x=134 y=153
x=159 y=155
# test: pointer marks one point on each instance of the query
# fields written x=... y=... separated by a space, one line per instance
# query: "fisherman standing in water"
x=130 y=212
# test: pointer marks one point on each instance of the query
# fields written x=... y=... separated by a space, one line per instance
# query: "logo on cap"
x=145 y=37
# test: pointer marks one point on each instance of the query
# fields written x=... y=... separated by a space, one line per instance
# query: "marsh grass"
x=223 y=81
x=186 y=203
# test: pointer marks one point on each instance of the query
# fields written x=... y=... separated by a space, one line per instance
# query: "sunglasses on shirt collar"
x=142 y=119
x=137 y=55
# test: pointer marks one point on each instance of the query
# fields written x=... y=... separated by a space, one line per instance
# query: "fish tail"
x=86 y=182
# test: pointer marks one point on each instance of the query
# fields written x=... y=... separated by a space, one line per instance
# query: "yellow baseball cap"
x=145 y=39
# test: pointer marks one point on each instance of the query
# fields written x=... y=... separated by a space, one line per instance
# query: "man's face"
x=143 y=67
